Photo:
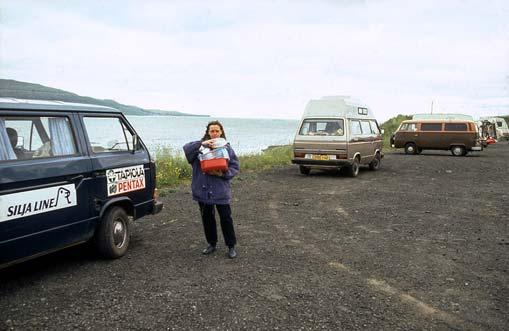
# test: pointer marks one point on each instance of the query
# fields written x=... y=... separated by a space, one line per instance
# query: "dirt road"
x=421 y=244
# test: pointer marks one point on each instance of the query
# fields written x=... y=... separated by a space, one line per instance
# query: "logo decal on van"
x=34 y=202
x=123 y=180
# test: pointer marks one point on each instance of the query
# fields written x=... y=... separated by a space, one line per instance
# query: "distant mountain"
x=14 y=89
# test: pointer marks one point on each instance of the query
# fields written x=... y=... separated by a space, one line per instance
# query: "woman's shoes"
x=232 y=253
x=209 y=250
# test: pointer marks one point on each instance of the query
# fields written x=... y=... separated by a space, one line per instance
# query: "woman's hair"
x=207 y=136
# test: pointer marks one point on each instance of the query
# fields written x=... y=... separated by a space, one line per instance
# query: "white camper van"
x=500 y=128
x=337 y=132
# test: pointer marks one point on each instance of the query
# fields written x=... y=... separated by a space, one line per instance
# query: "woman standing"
x=212 y=190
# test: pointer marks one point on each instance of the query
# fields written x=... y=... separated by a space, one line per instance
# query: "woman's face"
x=215 y=131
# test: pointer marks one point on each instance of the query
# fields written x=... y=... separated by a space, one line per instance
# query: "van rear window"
x=322 y=127
x=31 y=137
x=455 y=127
x=431 y=127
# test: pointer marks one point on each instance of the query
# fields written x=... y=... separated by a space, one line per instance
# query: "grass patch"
x=172 y=168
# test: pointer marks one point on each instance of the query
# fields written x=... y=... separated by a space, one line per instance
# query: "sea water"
x=244 y=135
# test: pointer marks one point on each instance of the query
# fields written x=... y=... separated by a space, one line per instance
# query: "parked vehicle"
x=337 y=132
x=69 y=173
x=496 y=127
x=458 y=136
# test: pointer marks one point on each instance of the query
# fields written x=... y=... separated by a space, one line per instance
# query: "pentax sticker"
x=122 y=180
x=24 y=204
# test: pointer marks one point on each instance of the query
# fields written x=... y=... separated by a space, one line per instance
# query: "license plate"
x=320 y=157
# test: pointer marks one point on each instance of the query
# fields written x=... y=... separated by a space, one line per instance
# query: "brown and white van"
x=458 y=136
x=337 y=132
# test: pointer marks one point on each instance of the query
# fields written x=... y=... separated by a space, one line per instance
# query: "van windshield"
x=322 y=127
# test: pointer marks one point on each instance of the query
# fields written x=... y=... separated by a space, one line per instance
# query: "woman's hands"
x=214 y=143
x=208 y=143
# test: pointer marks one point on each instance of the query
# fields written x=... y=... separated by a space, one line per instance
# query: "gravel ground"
x=421 y=244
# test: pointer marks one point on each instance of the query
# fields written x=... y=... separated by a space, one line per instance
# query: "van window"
x=499 y=124
x=362 y=111
x=431 y=127
x=355 y=127
x=374 y=127
x=30 y=137
x=108 y=134
x=455 y=127
x=366 y=128
x=322 y=127
x=408 y=127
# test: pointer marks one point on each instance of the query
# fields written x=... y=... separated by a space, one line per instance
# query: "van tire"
x=458 y=150
x=304 y=170
x=410 y=149
x=114 y=233
x=353 y=169
x=376 y=163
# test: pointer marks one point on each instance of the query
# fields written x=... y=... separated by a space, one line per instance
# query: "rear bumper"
x=157 y=207
x=329 y=163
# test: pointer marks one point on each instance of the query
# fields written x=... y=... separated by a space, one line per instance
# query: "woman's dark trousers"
x=209 y=223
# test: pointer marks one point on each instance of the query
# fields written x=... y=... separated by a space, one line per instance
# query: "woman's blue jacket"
x=207 y=188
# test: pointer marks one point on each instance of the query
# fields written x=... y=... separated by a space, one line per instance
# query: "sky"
x=265 y=59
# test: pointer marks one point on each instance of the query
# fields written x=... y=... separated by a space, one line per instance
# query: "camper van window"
x=362 y=111
x=355 y=127
x=455 y=127
x=107 y=134
x=38 y=137
x=499 y=124
x=322 y=128
x=366 y=129
x=431 y=127
x=374 y=127
x=408 y=127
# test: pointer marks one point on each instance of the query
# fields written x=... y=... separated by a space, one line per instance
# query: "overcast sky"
x=264 y=58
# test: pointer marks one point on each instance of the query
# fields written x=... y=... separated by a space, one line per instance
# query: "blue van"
x=70 y=173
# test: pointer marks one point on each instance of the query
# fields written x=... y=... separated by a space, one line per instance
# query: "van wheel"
x=376 y=163
x=410 y=148
x=304 y=170
x=458 y=150
x=353 y=169
x=113 y=235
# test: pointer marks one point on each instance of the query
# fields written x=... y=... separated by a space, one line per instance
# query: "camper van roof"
x=442 y=116
x=334 y=106
x=53 y=105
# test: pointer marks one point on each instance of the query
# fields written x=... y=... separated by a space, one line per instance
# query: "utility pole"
x=431 y=106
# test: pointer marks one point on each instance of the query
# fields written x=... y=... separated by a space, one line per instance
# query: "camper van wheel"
x=376 y=162
x=113 y=235
x=458 y=150
x=353 y=169
x=304 y=170
x=410 y=148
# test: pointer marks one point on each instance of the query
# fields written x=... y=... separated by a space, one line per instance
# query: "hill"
x=15 y=89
